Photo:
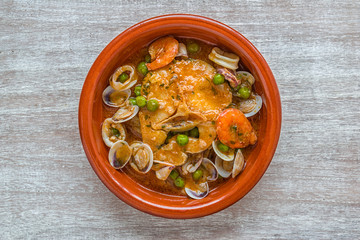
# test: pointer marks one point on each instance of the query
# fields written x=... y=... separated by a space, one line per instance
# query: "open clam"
x=162 y=169
x=142 y=160
x=250 y=106
x=197 y=191
x=125 y=113
x=114 y=98
x=120 y=154
x=194 y=161
x=226 y=156
x=211 y=170
x=200 y=188
x=131 y=81
x=112 y=132
x=227 y=168
x=244 y=77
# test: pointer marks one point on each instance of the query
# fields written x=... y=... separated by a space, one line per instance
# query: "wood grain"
x=47 y=187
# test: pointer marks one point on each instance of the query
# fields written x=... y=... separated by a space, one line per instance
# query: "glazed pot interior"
x=116 y=54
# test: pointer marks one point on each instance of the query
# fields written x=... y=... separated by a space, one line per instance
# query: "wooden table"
x=311 y=189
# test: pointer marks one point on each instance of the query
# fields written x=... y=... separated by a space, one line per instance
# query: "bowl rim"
x=88 y=139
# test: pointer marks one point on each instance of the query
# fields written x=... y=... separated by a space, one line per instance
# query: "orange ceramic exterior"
x=91 y=115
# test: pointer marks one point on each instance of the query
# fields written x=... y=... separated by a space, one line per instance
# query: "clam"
x=225 y=59
x=244 y=77
x=131 y=81
x=162 y=169
x=250 y=106
x=112 y=132
x=227 y=168
x=114 y=98
x=226 y=156
x=182 y=51
x=120 y=154
x=211 y=171
x=239 y=163
x=194 y=161
x=224 y=167
x=197 y=191
x=125 y=113
x=142 y=160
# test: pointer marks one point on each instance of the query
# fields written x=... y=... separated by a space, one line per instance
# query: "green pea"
x=179 y=182
x=197 y=174
x=122 y=77
x=115 y=132
x=222 y=147
x=148 y=58
x=152 y=105
x=218 y=79
x=137 y=90
x=182 y=139
x=142 y=68
x=132 y=101
x=244 y=92
x=140 y=101
x=174 y=174
x=194 y=132
x=193 y=47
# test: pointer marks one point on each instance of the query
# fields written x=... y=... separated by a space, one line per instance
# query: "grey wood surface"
x=47 y=187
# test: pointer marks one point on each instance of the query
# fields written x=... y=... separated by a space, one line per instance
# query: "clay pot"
x=91 y=115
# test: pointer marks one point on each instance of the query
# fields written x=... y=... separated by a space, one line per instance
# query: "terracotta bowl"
x=91 y=115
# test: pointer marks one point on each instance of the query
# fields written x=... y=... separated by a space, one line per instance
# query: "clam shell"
x=211 y=169
x=219 y=166
x=239 y=163
x=119 y=154
x=162 y=169
x=229 y=156
x=106 y=132
x=133 y=77
x=142 y=160
x=125 y=113
x=252 y=106
x=199 y=193
x=114 y=98
x=193 y=162
x=245 y=77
